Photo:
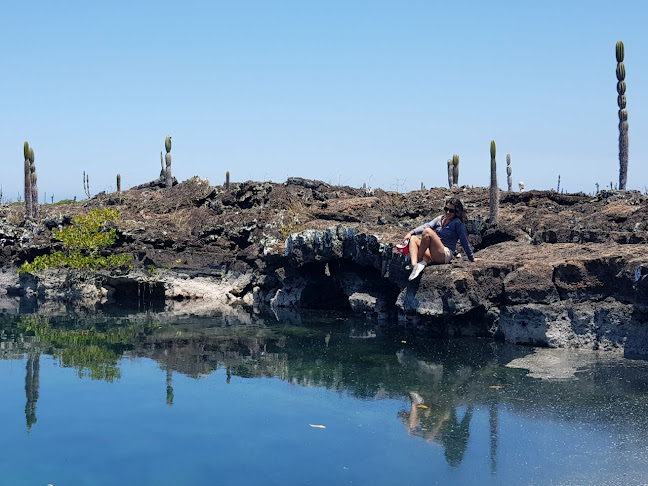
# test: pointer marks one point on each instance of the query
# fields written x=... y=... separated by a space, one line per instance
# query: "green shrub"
x=82 y=243
x=64 y=202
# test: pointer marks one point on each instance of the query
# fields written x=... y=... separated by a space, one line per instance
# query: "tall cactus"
x=162 y=173
x=623 y=117
x=168 y=177
x=34 y=185
x=455 y=170
x=494 y=190
x=227 y=180
x=86 y=184
x=450 y=170
x=509 y=173
x=118 y=182
x=28 y=182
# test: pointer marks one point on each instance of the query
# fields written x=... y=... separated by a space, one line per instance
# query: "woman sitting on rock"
x=438 y=238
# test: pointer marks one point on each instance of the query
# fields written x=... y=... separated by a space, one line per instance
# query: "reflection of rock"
x=9 y=305
x=287 y=316
x=607 y=325
x=449 y=376
x=558 y=364
x=362 y=333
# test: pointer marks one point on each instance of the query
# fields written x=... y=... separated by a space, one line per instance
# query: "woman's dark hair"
x=461 y=213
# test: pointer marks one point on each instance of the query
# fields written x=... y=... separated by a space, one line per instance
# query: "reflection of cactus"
x=494 y=190
x=169 y=386
x=227 y=180
x=450 y=167
x=118 y=182
x=32 y=386
x=455 y=170
x=623 y=117
x=509 y=172
x=167 y=172
x=28 y=182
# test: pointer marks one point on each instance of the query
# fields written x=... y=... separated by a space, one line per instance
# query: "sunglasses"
x=450 y=210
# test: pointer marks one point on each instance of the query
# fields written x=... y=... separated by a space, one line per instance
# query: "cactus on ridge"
x=86 y=184
x=455 y=170
x=494 y=190
x=162 y=174
x=509 y=173
x=28 y=182
x=168 y=177
x=623 y=117
x=34 y=185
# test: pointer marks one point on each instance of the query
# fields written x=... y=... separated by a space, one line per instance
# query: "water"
x=102 y=401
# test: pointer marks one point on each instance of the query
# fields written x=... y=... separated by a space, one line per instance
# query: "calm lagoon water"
x=328 y=400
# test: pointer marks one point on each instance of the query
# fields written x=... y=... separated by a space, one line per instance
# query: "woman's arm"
x=419 y=229
x=463 y=238
x=430 y=224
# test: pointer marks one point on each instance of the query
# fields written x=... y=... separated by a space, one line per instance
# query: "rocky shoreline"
x=558 y=270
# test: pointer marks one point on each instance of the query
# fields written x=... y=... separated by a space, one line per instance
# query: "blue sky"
x=351 y=92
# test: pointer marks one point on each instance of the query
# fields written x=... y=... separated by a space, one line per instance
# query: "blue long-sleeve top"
x=449 y=234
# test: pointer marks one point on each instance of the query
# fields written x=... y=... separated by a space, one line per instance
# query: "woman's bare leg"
x=414 y=249
x=431 y=247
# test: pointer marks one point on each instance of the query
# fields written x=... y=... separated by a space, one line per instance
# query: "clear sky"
x=344 y=91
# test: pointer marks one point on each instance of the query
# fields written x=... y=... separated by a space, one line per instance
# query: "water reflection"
x=442 y=383
x=169 y=386
x=94 y=351
x=440 y=425
x=31 y=387
x=493 y=422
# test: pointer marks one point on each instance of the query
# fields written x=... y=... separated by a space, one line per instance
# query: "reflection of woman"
x=421 y=420
x=439 y=425
x=454 y=436
x=438 y=238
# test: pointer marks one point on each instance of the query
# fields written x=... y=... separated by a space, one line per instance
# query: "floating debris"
x=317 y=426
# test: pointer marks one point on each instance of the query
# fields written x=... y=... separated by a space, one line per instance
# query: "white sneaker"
x=416 y=271
x=416 y=398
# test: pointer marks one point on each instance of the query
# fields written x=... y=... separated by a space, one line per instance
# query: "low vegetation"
x=83 y=242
